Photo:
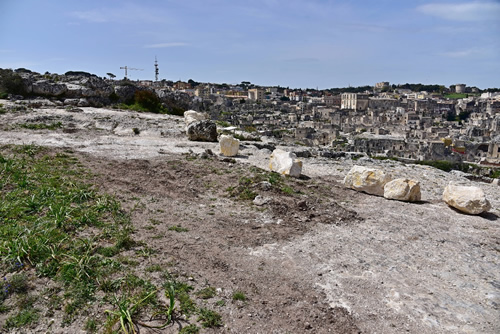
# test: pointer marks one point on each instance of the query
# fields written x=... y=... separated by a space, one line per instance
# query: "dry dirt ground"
x=315 y=258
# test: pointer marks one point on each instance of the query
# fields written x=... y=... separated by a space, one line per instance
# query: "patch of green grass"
x=455 y=96
x=223 y=124
x=190 y=329
x=245 y=138
x=45 y=205
x=23 y=318
x=178 y=229
x=206 y=293
x=239 y=296
x=154 y=268
x=287 y=190
x=209 y=318
x=187 y=305
x=445 y=165
x=495 y=174
x=41 y=126
x=91 y=326
x=126 y=310
x=220 y=303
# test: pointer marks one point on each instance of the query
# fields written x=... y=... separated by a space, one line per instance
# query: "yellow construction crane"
x=130 y=68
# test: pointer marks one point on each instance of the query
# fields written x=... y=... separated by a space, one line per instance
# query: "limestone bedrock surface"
x=466 y=199
x=368 y=180
x=285 y=163
x=403 y=190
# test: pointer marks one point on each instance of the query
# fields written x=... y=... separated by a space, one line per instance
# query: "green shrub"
x=149 y=101
x=11 y=83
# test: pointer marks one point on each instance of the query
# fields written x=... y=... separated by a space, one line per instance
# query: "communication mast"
x=157 y=71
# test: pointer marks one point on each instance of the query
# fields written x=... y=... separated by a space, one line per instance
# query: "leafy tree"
x=111 y=75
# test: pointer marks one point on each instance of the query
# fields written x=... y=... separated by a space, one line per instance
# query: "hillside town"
x=418 y=122
x=382 y=121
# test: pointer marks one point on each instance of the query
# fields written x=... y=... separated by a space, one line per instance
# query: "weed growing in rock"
x=178 y=229
x=190 y=329
x=239 y=296
x=209 y=318
x=41 y=126
x=206 y=293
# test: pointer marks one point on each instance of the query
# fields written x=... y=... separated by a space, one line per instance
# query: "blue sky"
x=314 y=43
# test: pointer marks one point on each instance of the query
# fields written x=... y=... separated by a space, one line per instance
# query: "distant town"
x=410 y=121
x=422 y=122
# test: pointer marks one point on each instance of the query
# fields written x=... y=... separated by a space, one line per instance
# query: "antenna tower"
x=157 y=71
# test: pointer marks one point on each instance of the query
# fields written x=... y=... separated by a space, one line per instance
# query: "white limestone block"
x=368 y=180
x=403 y=190
x=285 y=163
x=191 y=116
x=467 y=199
x=229 y=146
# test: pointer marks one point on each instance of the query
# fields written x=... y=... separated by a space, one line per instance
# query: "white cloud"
x=468 y=53
x=92 y=16
x=165 y=45
x=467 y=11
x=127 y=13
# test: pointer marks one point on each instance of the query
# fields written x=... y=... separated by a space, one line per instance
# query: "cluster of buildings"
x=383 y=121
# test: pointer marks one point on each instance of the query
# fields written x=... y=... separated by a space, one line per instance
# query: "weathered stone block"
x=285 y=163
x=403 y=190
x=467 y=199
x=191 y=116
x=229 y=146
x=368 y=180
x=202 y=131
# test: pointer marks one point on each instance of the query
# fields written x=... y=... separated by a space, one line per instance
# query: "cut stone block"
x=285 y=163
x=403 y=190
x=368 y=180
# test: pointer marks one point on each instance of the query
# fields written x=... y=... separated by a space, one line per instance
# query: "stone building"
x=256 y=94
x=354 y=101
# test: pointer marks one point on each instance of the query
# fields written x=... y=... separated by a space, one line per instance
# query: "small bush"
x=148 y=100
x=11 y=83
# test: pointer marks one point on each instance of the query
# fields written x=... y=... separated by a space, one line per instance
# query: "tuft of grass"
x=190 y=329
x=154 y=268
x=239 y=296
x=206 y=293
x=41 y=126
x=24 y=317
x=178 y=229
x=220 y=303
x=91 y=326
x=127 y=309
x=209 y=318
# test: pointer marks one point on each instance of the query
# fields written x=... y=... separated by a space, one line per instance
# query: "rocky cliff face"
x=74 y=88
